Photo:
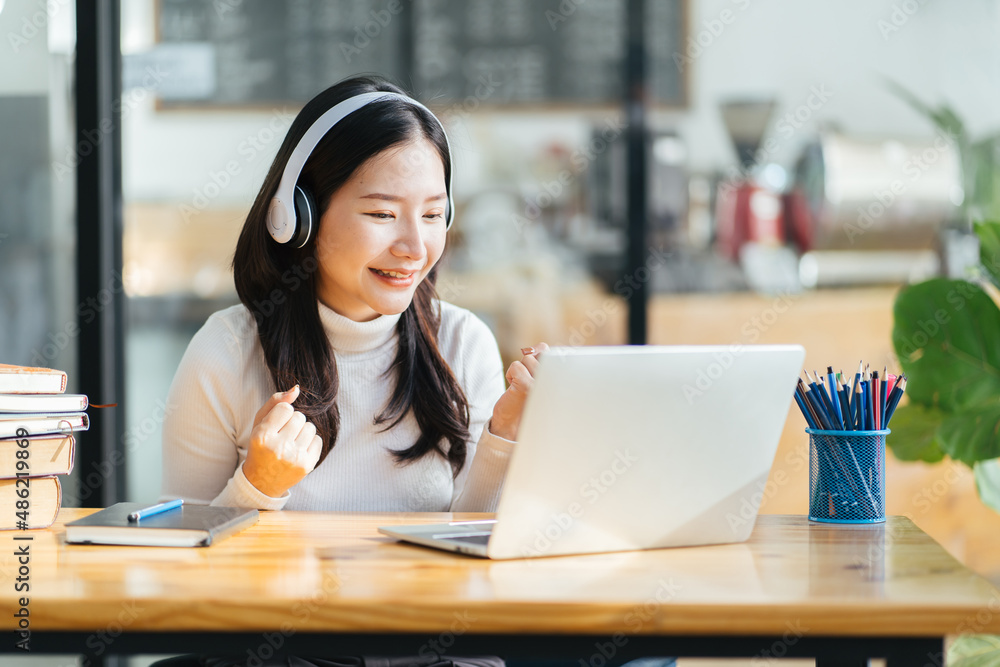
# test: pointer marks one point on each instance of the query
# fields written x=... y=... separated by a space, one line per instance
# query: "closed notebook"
x=47 y=455
x=12 y=425
x=39 y=498
x=186 y=526
x=43 y=403
x=31 y=380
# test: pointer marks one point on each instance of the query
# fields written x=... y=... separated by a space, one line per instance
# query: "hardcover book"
x=31 y=380
x=43 y=403
x=42 y=424
x=29 y=502
x=47 y=455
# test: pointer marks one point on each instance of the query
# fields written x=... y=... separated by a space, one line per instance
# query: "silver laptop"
x=635 y=447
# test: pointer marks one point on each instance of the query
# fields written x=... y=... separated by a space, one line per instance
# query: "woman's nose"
x=410 y=242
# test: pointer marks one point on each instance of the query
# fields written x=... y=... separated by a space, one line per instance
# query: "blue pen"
x=146 y=512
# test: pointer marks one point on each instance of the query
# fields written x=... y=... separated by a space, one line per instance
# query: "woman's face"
x=389 y=217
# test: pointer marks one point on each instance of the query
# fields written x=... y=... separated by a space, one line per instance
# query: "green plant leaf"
x=989 y=249
x=944 y=117
x=987 y=475
x=946 y=334
x=974 y=651
x=972 y=435
x=914 y=433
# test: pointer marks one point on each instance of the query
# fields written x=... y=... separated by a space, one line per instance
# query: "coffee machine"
x=747 y=210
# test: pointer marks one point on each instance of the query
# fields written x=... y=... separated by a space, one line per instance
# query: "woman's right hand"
x=284 y=446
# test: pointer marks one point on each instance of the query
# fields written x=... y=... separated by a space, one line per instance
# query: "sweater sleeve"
x=478 y=484
x=201 y=457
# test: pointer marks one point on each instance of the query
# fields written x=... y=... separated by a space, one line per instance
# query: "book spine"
x=47 y=456
x=39 y=515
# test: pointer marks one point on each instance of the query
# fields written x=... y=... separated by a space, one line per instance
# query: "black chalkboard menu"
x=471 y=52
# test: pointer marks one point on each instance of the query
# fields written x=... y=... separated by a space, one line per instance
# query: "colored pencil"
x=897 y=393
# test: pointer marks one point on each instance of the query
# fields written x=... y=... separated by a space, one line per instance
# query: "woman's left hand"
x=507 y=412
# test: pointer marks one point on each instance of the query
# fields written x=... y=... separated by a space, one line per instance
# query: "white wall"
x=943 y=51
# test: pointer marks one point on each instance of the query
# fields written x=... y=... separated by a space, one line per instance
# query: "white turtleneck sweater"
x=222 y=382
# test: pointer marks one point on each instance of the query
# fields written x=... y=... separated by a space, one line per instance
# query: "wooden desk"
x=310 y=582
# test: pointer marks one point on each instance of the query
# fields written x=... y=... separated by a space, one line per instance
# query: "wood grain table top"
x=334 y=572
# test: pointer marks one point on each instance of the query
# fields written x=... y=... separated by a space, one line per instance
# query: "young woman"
x=342 y=382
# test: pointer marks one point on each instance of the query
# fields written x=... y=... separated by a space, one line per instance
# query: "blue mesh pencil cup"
x=847 y=476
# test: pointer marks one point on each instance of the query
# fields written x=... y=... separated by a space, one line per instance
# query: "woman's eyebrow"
x=385 y=197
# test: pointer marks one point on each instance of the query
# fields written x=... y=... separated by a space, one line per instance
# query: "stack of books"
x=38 y=421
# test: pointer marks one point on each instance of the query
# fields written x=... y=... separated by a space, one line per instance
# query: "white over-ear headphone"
x=292 y=216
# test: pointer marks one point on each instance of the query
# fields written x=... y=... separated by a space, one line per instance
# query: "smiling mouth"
x=391 y=274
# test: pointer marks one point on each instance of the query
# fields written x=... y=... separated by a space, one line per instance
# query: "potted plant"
x=946 y=334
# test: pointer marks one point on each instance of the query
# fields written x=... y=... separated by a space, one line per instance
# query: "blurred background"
x=799 y=162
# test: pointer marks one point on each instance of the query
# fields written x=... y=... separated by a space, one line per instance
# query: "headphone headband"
x=282 y=221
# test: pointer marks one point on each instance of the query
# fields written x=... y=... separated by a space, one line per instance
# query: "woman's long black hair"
x=291 y=334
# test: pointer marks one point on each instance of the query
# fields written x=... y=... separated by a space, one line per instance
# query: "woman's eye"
x=434 y=216
x=381 y=216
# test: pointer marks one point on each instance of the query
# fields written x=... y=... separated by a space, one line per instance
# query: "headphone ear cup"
x=306 y=218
